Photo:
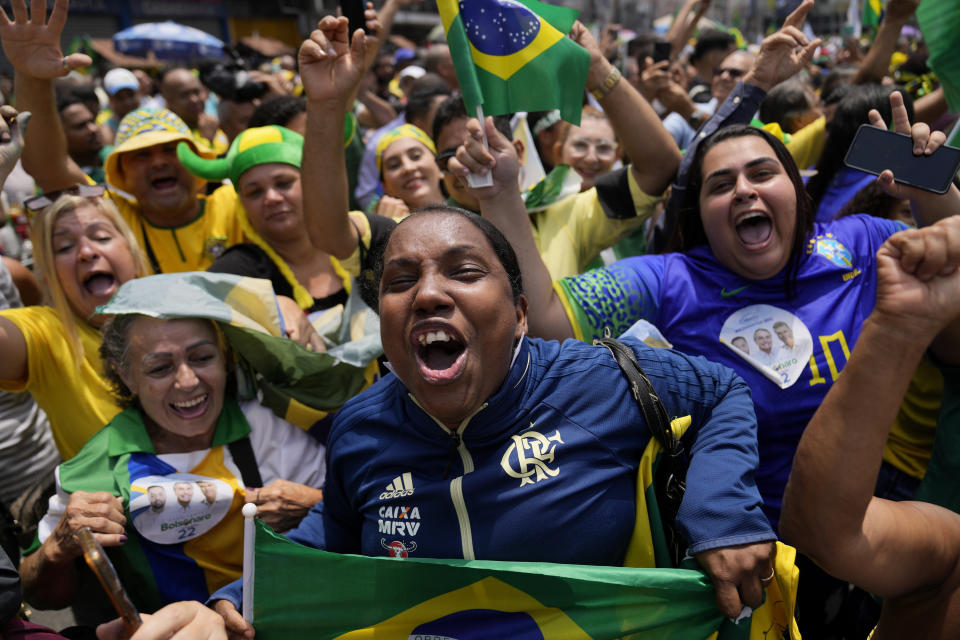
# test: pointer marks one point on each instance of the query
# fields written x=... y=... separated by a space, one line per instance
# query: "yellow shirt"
x=195 y=245
x=77 y=400
x=911 y=437
x=571 y=232
x=806 y=145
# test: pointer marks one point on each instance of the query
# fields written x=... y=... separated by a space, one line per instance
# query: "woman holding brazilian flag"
x=473 y=451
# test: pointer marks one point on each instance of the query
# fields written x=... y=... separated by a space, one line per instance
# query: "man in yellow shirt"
x=177 y=228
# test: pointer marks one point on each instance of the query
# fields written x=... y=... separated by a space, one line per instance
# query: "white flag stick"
x=475 y=180
x=249 y=513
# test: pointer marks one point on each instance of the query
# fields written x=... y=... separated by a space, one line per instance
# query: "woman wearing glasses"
x=591 y=149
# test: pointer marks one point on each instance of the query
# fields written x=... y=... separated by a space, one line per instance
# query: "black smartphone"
x=874 y=149
x=661 y=51
x=353 y=10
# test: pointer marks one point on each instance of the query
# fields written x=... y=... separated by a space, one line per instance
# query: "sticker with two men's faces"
x=773 y=341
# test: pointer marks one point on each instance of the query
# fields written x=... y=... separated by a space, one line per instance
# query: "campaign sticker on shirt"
x=775 y=342
x=178 y=507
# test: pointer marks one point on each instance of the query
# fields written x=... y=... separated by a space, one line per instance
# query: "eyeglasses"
x=734 y=73
x=605 y=149
x=443 y=159
x=44 y=200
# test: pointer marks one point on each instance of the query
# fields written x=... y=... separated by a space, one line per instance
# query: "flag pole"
x=475 y=180
x=249 y=513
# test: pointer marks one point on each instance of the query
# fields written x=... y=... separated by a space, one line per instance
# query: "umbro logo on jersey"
x=401 y=487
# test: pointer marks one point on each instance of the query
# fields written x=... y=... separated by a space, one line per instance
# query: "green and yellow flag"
x=513 y=55
x=872 y=10
x=301 y=592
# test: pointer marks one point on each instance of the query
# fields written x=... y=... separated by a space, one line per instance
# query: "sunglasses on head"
x=44 y=200
x=734 y=73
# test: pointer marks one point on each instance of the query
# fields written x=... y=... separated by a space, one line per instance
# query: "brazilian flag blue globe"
x=513 y=55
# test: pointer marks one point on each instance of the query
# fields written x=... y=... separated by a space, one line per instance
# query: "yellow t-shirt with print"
x=571 y=232
x=195 y=245
x=77 y=400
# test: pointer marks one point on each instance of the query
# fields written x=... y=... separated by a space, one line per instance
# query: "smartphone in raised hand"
x=101 y=566
x=874 y=150
x=353 y=10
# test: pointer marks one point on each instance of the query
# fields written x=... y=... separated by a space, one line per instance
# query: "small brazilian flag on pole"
x=513 y=55
x=872 y=10
x=301 y=592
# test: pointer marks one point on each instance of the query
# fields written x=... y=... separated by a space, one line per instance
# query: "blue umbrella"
x=168 y=41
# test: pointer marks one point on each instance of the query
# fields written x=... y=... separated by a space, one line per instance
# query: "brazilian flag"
x=300 y=592
x=872 y=10
x=513 y=55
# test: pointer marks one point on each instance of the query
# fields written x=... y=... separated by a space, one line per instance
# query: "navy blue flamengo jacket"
x=544 y=471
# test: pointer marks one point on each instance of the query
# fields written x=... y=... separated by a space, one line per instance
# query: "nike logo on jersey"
x=401 y=487
x=726 y=294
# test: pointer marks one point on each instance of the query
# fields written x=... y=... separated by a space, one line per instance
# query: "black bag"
x=670 y=477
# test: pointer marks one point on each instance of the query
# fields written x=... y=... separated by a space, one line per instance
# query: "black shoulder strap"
x=670 y=478
x=643 y=392
x=242 y=452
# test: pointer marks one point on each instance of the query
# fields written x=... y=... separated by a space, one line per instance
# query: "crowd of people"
x=393 y=335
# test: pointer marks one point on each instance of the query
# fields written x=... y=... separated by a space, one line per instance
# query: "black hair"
x=872 y=200
x=689 y=232
x=69 y=98
x=711 y=40
x=453 y=108
x=852 y=111
x=841 y=76
x=278 y=110
x=498 y=242
x=422 y=92
x=450 y=109
x=786 y=101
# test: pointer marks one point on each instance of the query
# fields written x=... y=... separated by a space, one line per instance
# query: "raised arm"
x=331 y=68
x=503 y=206
x=876 y=64
x=13 y=347
x=829 y=512
x=653 y=154
x=33 y=49
x=685 y=24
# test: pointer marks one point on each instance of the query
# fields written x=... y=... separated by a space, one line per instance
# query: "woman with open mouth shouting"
x=84 y=251
x=490 y=445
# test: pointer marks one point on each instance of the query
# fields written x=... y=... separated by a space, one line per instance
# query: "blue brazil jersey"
x=703 y=308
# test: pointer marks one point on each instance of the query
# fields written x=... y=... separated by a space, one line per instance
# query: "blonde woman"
x=84 y=252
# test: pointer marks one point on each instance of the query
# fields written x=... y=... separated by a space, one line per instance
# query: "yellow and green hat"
x=403 y=131
x=252 y=147
x=143 y=128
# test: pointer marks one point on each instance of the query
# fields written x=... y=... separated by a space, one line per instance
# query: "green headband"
x=403 y=131
x=252 y=147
